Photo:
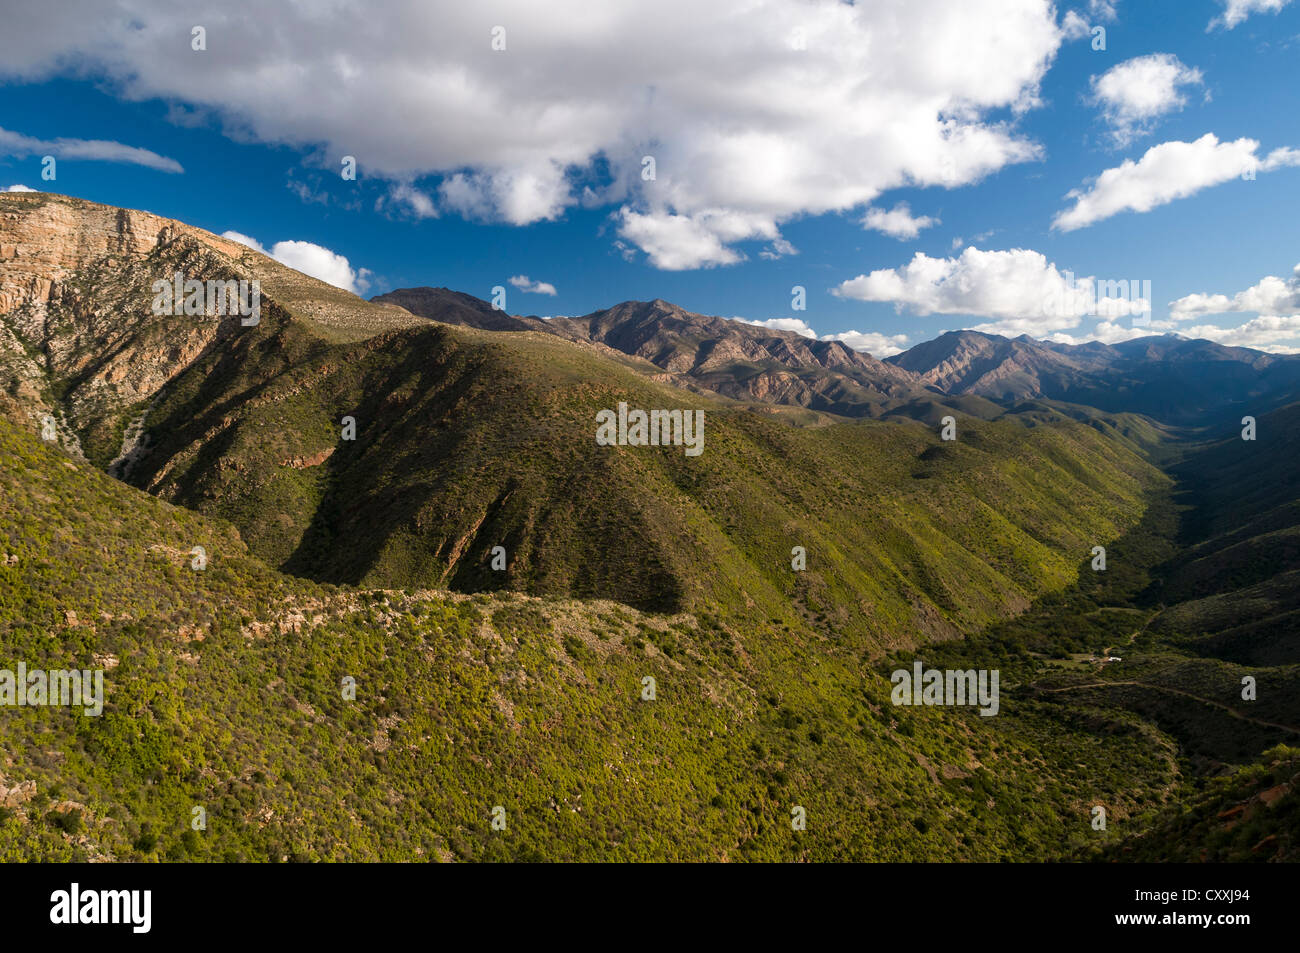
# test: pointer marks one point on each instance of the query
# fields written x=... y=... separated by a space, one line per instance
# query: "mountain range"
x=406 y=491
x=1167 y=377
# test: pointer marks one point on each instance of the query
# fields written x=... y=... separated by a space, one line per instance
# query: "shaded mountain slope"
x=467 y=440
x=1235 y=590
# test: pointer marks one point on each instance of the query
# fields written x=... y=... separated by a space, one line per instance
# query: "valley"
x=368 y=554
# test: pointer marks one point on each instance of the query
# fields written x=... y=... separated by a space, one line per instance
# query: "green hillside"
x=223 y=692
x=521 y=687
x=467 y=440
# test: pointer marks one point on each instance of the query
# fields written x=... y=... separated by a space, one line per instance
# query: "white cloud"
x=1110 y=332
x=1020 y=289
x=1135 y=93
x=17 y=188
x=528 y=286
x=99 y=150
x=1270 y=296
x=1235 y=11
x=1074 y=27
x=797 y=325
x=517 y=196
x=778 y=249
x=751 y=127
x=898 y=222
x=1276 y=334
x=1169 y=171
x=1268 y=333
x=313 y=260
x=678 y=242
x=416 y=202
x=877 y=345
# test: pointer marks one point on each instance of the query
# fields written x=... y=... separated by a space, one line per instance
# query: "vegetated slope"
x=1099 y=659
x=1170 y=378
x=467 y=440
x=224 y=693
x=1250 y=815
x=1234 y=592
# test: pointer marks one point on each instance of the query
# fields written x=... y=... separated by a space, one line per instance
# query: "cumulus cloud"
x=797 y=325
x=1275 y=334
x=528 y=286
x=1235 y=11
x=17 y=188
x=1020 y=289
x=1270 y=296
x=313 y=260
x=1265 y=332
x=877 y=345
x=100 y=150
x=898 y=222
x=870 y=342
x=1074 y=26
x=1134 y=94
x=679 y=242
x=1111 y=332
x=1169 y=171
x=808 y=107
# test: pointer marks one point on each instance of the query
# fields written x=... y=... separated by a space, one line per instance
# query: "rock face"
x=309 y=460
x=44 y=239
x=79 y=339
x=82 y=348
x=968 y=362
x=745 y=361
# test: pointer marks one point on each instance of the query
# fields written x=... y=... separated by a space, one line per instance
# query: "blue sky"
x=479 y=164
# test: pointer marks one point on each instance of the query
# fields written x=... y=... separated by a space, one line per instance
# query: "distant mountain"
x=728 y=357
x=457 y=307
x=1168 y=377
x=969 y=362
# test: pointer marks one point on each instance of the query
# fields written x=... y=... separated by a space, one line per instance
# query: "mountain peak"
x=457 y=307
